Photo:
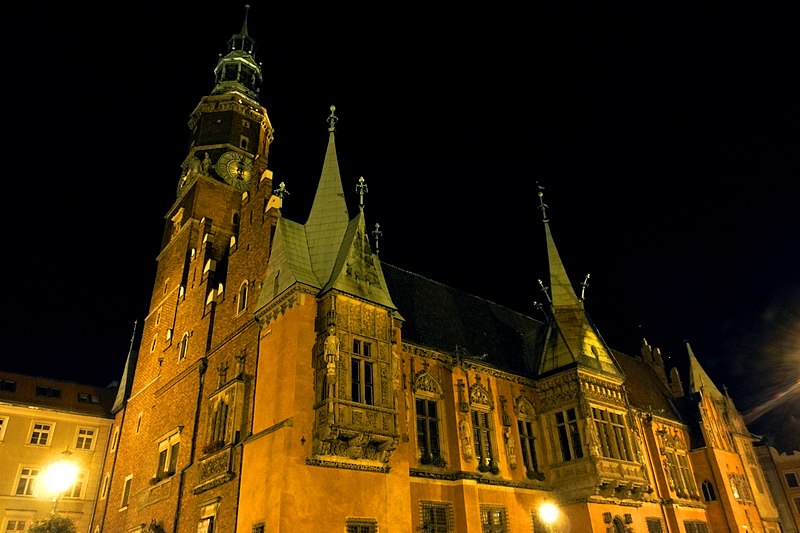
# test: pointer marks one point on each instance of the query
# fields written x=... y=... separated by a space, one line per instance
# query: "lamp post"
x=549 y=513
x=60 y=476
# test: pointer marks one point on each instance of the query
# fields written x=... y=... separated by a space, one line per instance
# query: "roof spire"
x=542 y=205
x=361 y=189
x=244 y=25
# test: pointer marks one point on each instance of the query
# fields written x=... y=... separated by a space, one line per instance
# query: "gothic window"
x=436 y=517
x=494 y=519
x=482 y=437
x=242 y=303
x=708 y=491
x=361 y=525
x=85 y=439
x=569 y=437
x=168 y=449
x=40 y=433
x=219 y=416
x=612 y=434
x=428 y=430
x=26 y=482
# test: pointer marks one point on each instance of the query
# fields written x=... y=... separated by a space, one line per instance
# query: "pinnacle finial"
x=332 y=119
x=584 y=286
x=361 y=189
x=281 y=191
x=542 y=205
x=377 y=234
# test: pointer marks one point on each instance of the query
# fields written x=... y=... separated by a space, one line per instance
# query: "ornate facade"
x=288 y=379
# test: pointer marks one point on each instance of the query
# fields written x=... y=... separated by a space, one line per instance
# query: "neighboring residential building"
x=290 y=380
x=44 y=421
x=782 y=471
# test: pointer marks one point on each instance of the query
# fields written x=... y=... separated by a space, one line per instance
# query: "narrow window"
x=526 y=441
x=428 y=431
x=3 y=426
x=569 y=437
x=242 y=304
x=114 y=438
x=183 y=347
x=126 y=491
x=104 y=488
x=481 y=434
x=361 y=382
x=708 y=491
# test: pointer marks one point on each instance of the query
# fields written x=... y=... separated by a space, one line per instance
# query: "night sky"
x=665 y=137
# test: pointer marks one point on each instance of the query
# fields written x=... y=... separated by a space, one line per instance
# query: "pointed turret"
x=698 y=379
x=573 y=338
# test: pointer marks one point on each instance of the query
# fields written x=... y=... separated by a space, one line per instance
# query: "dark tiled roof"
x=451 y=321
x=646 y=390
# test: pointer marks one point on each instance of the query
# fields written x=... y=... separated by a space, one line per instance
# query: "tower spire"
x=238 y=71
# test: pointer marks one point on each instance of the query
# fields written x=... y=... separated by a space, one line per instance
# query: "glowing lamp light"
x=60 y=476
x=548 y=512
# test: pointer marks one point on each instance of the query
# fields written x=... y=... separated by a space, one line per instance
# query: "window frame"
x=126 y=492
x=429 y=445
x=75 y=491
x=568 y=433
x=361 y=525
x=241 y=300
x=48 y=433
x=30 y=475
x=487 y=515
x=482 y=438
x=527 y=445
x=792 y=480
x=362 y=381
x=612 y=433
x=183 y=347
x=3 y=426
x=168 y=453
x=446 y=509
x=82 y=439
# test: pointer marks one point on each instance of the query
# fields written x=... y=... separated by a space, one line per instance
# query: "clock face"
x=235 y=168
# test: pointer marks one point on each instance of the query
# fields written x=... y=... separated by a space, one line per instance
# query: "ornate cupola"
x=238 y=70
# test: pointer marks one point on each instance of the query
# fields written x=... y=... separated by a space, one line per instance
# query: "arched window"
x=242 y=305
x=708 y=491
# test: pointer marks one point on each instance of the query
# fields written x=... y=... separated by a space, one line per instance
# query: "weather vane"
x=332 y=119
x=542 y=205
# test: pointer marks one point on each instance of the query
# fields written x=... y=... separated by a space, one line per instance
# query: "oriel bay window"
x=362 y=384
x=569 y=437
x=612 y=434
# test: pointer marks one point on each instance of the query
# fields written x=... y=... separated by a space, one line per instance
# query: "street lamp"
x=60 y=476
x=549 y=512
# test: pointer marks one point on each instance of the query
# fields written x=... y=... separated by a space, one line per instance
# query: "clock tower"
x=189 y=388
x=230 y=131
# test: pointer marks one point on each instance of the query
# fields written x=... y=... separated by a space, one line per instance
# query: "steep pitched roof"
x=573 y=337
x=451 y=321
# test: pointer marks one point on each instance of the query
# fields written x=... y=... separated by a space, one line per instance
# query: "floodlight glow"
x=549 y=512
x=60 y=476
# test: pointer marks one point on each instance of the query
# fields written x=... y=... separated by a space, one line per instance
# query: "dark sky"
x=666 y=138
